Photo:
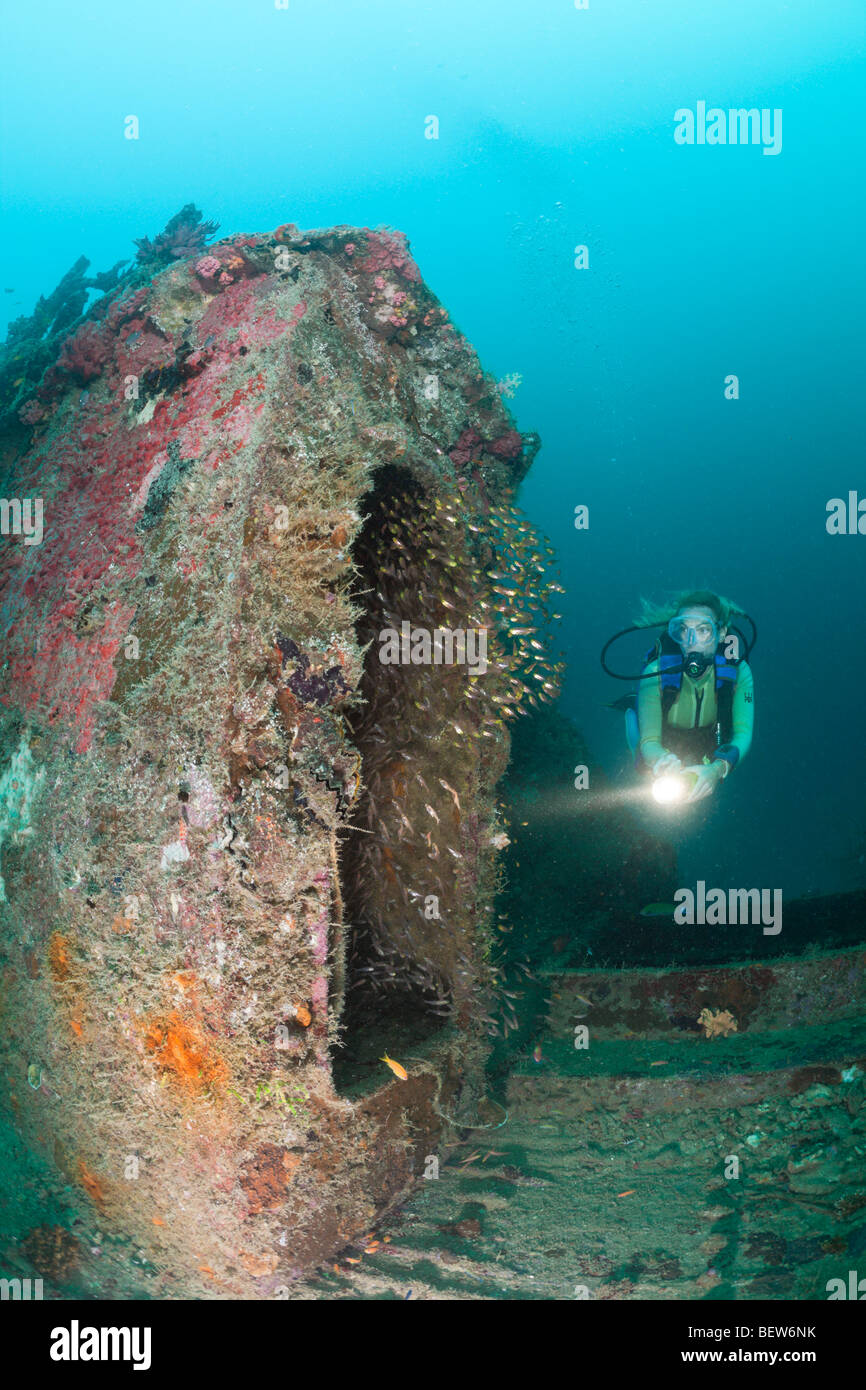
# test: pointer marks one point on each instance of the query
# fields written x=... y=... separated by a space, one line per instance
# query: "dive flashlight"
x=673 y=788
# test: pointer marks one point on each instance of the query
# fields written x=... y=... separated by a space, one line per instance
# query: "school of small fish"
x=429 y=563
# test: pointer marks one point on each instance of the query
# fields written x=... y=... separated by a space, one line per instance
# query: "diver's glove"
x=707 y=777
x=666 y=765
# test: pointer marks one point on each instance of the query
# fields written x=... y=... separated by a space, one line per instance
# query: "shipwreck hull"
x=222 y=817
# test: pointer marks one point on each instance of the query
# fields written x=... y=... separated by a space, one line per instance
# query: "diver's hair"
x=653 y=614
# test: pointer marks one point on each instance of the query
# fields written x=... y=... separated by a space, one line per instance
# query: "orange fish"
x=395 y=1067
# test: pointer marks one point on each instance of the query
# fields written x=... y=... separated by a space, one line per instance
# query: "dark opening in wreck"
x=451 y=605
x=401 y=859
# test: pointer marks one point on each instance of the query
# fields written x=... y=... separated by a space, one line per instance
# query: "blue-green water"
x=555 y=129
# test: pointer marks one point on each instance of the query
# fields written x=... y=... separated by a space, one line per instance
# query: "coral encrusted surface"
x=219 y=811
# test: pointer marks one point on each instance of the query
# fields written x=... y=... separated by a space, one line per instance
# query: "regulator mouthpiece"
x=696 y=664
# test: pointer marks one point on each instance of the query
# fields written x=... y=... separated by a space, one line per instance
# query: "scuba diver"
x=690 y=721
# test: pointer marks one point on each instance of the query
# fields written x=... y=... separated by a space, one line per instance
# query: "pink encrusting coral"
x=388 y=250
x=68 y=676
x=507 y=446
x=208 y=267
x=86 y=354
x=122 y=463
x=467 y=446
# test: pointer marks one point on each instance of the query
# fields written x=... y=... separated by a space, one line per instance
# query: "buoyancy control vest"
x=693 y=744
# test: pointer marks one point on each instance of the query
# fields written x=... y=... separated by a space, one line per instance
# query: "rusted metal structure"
x=222 y=813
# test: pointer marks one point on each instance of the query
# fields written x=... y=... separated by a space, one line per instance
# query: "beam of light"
x=560 y=803
x=667 y=791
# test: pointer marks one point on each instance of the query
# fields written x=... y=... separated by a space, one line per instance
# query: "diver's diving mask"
x=693 y=633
